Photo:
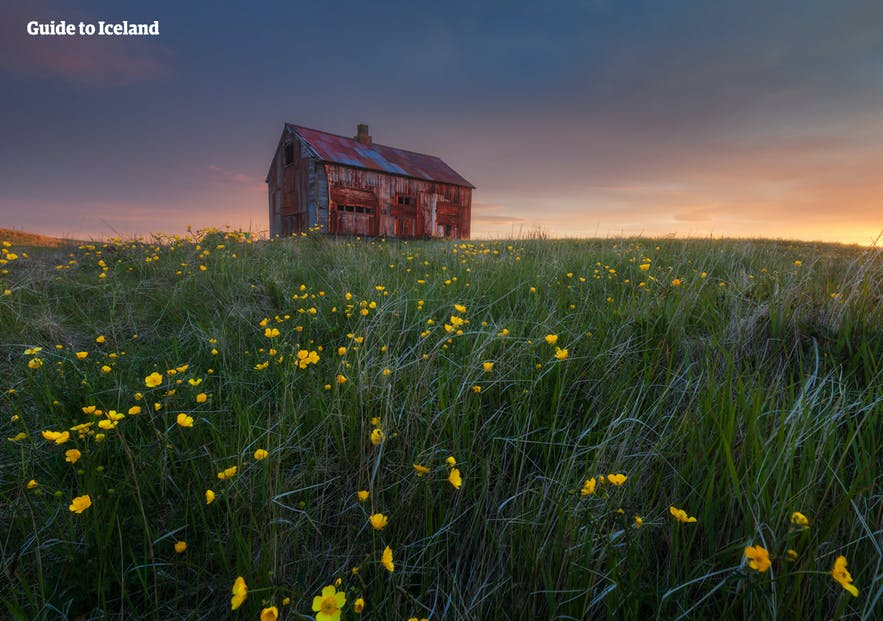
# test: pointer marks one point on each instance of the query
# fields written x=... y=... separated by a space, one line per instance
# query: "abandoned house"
x=352 y=186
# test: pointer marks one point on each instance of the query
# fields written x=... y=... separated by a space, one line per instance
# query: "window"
x=355 y=209
x=404 y=199
x=289 y=153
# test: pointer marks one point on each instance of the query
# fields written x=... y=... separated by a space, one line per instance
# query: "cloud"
x=487 y=213
x=93 y=61
x=222 y=175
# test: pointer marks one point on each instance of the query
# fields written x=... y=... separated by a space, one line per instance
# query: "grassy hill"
x=511 y=429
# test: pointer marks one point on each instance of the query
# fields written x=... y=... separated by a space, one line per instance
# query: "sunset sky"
x=577 y=117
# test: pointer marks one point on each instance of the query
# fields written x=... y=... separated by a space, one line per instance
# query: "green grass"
x=751 y=390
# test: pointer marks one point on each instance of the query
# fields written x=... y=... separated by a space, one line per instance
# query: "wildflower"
x=260 y=454
x=455 y=479
x=341 y=351
x=378 y=521
x=72 y=455
x=676 y=282
x=80 y=504
x=209 y=496
x=240 y=592
x=362 y=495
x=487 y=366
x=184 y=421
x=798 y=519
x=153 y=380
x=180 y=547
x=228 y=473
x=451 y=461
x=644 y=267
x=359 y=606
x=639 y=521
x=35 y=363
x=842 y=575
x=32 y=484
x=386 y=560
x=377 y=436
x=561 y=354
x=616 y=479
x=341 y=379
x=59 y=437
x=551 y=339
x=270 y=614
x=21 y=435
x=201 y=397
x=459 y=308
x=81 y=355
x=798 y=263
x=271 y=333
x=134 y=410
x=106 y=369
x=476 y=389
x=387 y=372
x=791 y=554
x=421 y=470
x=759 y=558
x=680 y=515
x=329 y=604
x=100 y=338
x=286 y=601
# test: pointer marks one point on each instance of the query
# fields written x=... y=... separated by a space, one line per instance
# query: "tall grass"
x=739 y=381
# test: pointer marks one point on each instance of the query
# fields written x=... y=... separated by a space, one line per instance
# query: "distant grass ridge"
x=738 y=381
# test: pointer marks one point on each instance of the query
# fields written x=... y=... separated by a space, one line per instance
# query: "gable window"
x=289 y=153
x=404 y=199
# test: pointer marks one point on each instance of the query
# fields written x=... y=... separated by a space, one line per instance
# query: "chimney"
x=362 y=136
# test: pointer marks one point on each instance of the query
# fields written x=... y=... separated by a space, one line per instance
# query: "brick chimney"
x=362 y=134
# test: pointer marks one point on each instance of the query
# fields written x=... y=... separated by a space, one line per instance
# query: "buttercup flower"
x=240 y=592
x=561 y=354
x=378 y=521
x=80 y=504
x=359 y=606
x=209 y=496
x=589 y=487
x=842 y=576
x=551 y=339
x=72 y=455
x=639 y=521
x=386 y=560
x=329 y=604
x=201 y=397
x=798 y=519
x=421 y=470
x=759 y=558
x=32 y=484
x=226 y=474
x=487 y=366
x=680 y=515
x=180 y=547
x=260 y=454
x=616 y=479
x=185 y=421
x=455 y=479
x=82 y=355
x=270 y=614
x=377 y=436
x=271 y=333
x=153 y=380
x=362 y=495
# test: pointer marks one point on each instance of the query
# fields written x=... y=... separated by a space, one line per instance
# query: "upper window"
x=404 y=199
x=289 y=153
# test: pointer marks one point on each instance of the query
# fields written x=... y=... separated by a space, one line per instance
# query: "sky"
x=574 y=118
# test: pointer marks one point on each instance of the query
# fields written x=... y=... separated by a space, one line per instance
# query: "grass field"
x=535 y=422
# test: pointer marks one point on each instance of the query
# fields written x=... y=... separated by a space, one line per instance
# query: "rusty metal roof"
x=350 y=152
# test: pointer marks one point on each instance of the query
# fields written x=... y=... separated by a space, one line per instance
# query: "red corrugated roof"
x=350 y=152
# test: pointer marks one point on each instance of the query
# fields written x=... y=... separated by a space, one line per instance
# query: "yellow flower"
x=226 y=474
x=59 y=437
x=209 y=496
x=72 y=455
x=798 y=519
x=589 y=487
x=153 y=380
x=180 y=547
x=459 y=308
x=759 y=558
x=561 y=354
x=271 y=333
x=80 y=504
x=21 y=435
x=270 y=614
x=260 y=454
x=644 y=267
x=240 y=592
x=201 y=397
x=362 y=495
x=421 y=470
x=676 y=282
x=616 y=479
x=106 y=369
x=639 y=521
x=32 y=484
x=551 y=339
x=359 y=606
x=842 y=575
x=454 y=478
x=680 y=515
x=791 y=554
x=81 y=355
x=35 y=363
x=798 y=263
x=184 y=420
x=378 y=521
x=341 y=379
x=377 y=436
x=100 y=338
x=134 y=410
x=476 y=389
x=386 y=560
x=329 y=604
x=341 y=351
x=487 y=366
x=451 y=461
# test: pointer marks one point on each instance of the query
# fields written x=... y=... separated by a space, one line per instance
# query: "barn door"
x=354 y=212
